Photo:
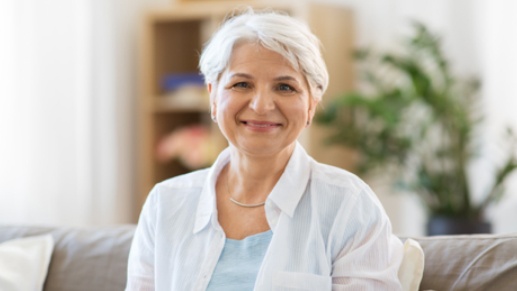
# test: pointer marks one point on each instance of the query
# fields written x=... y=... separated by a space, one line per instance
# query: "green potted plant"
x=412 y=114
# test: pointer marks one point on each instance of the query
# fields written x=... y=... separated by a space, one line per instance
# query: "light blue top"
x=239 y=263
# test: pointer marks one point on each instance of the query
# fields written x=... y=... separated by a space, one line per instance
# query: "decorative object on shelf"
x=173 y=82
x=414 y=115
x=187 y=89
x=195 y=146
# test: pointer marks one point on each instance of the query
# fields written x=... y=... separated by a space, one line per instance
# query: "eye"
x=241 y=85
x=286 y=88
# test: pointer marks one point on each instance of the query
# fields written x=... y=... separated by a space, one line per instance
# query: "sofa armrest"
x=469 y=262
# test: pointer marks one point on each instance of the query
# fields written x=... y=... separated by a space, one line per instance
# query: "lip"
x=261 y=125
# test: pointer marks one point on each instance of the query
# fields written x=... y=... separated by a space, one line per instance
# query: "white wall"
x=67 y=95
x=498 y=40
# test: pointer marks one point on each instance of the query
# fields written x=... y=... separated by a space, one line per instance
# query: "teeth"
x=261 y=124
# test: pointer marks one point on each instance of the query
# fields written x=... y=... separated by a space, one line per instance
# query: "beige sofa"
x=96 y=259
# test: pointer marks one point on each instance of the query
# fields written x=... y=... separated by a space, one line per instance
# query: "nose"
x=262 y=101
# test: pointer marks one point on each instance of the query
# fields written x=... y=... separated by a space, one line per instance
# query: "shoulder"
x=190 y=180
x=348 y=192
x=183 y=187
x=174 y=201
x=346 y=202
x=330 y=176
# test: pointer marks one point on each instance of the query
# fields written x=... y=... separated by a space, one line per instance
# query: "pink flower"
x=194 y=146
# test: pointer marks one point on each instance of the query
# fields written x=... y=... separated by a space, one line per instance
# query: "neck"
x=251 y=178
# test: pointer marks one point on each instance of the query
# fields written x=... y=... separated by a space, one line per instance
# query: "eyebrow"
x=286 y=78
x=241 y=75
x=280 y=78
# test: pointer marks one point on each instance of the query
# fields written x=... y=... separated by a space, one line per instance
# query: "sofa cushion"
x=83 y=258
x=24 y=263
x=470 y=262
x=412 y=267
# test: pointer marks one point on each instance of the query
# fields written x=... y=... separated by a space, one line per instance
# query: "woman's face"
x=261 y=103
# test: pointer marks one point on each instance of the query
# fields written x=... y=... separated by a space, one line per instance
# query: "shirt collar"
x=285 y=195
x=292 y=184
x=207 y=201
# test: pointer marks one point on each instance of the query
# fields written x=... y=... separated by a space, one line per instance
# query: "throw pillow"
x=24 y=263
x=412 y=267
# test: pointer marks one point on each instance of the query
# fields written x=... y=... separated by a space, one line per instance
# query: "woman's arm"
x=140 y=274
x=372 y=255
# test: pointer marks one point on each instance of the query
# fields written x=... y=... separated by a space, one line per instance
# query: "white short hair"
x=280 y=33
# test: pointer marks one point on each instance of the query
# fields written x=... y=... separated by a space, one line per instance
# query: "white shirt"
x=330 y=232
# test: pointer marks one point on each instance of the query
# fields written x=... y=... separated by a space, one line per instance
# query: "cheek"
x=300 y=108
x=295 y=112
x=227 y=105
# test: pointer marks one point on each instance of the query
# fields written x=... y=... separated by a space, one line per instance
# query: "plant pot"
x=442 y=225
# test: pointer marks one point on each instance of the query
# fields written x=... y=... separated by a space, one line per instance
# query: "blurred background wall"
x=67 y=95
x=68 y=89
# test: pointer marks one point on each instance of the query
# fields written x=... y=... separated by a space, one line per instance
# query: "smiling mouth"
x=261 y=124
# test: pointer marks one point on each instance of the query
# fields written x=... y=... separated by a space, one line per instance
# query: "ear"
x=313 y=104
x=213 y=108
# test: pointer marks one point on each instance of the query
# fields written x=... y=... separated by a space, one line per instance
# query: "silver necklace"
x=237 y=202
x=247 y=205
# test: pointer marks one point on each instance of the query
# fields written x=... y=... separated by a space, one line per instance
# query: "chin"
x=264 y=148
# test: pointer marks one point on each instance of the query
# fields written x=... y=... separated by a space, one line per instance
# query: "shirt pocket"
x=291 y=281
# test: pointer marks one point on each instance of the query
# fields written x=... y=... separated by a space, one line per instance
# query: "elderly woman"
x=265 y=216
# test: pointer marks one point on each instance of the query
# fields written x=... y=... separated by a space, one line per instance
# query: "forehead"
x=255 y=57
